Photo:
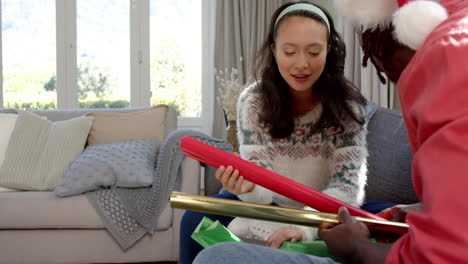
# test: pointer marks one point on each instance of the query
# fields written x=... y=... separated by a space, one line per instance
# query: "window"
x=109 y=53
x=28 y=41
x=103 y=53
x=175 y=49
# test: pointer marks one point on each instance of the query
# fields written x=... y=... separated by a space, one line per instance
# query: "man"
x=428 y=62
x=433 y=89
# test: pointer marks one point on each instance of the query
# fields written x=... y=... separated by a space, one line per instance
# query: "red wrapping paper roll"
x=215 y=157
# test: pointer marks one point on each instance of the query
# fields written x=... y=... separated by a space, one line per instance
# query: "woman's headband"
x=304 y=7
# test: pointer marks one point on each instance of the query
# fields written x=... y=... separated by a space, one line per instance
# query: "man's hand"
x=288 y=233
x=350 y=242
x=398 y=212
x=342 y=239
x=232 y=181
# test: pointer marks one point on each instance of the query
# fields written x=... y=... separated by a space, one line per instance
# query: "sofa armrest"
x=190 y=173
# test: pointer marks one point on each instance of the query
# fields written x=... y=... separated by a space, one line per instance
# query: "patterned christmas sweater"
x=333 y=163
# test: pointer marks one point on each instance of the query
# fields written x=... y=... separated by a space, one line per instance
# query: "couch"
x=38 y=227
x=389 y=160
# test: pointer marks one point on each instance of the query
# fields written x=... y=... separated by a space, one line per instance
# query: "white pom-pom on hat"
x=415 y=20
x=367 y=13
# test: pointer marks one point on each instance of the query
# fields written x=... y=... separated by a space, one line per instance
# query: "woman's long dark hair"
x=332 y=88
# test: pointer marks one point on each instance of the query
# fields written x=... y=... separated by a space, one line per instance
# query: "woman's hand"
x=398 y=212
x=288 y=233
x=232 y=181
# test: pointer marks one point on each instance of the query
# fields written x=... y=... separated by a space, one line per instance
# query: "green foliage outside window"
x=31 y=105
x=92 y=104
x=92 y=81
x=169 y=84
x=169 y=77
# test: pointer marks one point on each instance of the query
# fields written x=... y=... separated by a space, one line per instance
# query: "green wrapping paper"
x=317 y=248
x=209 y=233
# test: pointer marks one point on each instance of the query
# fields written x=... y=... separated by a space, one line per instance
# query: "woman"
x=301 y=118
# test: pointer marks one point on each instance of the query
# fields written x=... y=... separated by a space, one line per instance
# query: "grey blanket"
x=129 y=213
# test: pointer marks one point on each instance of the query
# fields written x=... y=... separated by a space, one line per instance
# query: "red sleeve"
x=434 y=97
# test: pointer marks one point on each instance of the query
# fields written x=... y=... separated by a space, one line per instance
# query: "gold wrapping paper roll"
x=273 y=213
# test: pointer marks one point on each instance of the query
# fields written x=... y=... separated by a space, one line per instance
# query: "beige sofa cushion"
x=113 y=127
x=44 y=210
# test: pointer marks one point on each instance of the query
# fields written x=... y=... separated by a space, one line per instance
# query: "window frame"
x=140 y=92
x=1 y=58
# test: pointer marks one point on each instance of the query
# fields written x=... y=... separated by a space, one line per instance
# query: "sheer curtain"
x=241 y=26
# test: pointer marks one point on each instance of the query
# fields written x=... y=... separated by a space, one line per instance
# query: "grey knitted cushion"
x=129 y=163
x=389 y=161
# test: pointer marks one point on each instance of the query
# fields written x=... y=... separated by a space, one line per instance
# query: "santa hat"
x=413 y=20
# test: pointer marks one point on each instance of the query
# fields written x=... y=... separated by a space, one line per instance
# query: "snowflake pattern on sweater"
x=326 y=160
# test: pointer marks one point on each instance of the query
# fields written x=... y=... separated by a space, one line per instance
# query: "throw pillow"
x=112 y=127
x=7 y=123
x=39 y=151
x=390 y=158
x=127 y=163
